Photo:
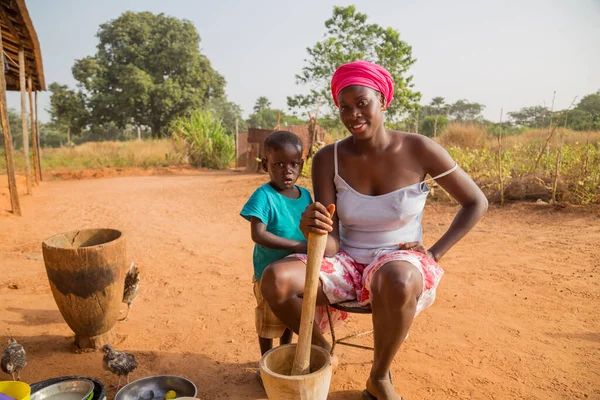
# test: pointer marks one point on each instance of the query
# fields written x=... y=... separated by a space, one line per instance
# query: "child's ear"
x=264 y=165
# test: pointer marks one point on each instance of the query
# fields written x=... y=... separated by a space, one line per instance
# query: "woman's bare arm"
x=436 y=160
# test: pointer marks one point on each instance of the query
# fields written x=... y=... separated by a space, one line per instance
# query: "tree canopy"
x=67 y=110
x=266 y=118
x=350 y=37
x=147 y=70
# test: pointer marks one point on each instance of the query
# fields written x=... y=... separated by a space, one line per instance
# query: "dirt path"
x=516 y=316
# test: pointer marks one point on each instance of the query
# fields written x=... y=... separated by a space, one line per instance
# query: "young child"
x=274 y=211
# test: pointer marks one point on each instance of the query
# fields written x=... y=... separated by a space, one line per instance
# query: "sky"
x=502 y=53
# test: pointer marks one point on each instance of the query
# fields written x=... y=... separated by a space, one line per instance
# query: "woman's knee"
x=397 y=282
x=277 y=282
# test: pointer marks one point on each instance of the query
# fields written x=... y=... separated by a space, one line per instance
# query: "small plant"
x=202 y=140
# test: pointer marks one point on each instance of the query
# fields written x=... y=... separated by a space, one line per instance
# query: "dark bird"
x=118 y=363
x=132 y=283
x=13 y=359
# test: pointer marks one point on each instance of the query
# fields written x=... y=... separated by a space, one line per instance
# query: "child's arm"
x=267 y=239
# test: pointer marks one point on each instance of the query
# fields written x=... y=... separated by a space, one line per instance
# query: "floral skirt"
x=344 y=279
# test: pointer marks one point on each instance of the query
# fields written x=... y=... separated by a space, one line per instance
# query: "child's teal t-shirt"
x=281 y=215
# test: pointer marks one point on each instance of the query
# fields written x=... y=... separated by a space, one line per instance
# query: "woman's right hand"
x=317 y=218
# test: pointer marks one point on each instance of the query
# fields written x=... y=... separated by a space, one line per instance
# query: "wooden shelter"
x=20 y=70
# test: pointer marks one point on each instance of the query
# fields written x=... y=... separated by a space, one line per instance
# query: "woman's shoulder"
x=324 y=154
x=408 y=136
x=323 y=160
x=412 y=142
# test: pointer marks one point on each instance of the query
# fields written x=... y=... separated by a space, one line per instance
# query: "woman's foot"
x=382 y=389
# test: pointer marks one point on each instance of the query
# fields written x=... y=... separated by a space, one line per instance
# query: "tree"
x=439 y=108
x=410 y=123
x=262 y=103
x=67 y=110
x=532 y=117
x=228 y=112
x=462 y=110
x=16 y=131
x=51 y=136
x=267 y=118
x=147 y=71
x=580 y=120
x=350 y=37
x=433 y=125
x=590 y=104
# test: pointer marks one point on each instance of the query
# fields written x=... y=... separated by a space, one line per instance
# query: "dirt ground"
x=516 y=315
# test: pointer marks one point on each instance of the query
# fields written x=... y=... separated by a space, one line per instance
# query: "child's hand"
x=415 y=246
x=317 y=219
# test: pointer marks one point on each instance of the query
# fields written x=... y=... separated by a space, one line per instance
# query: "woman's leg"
x=395 y=288
x=282 y=285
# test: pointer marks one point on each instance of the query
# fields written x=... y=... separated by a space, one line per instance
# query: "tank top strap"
x=335 y=158
x=451 y=170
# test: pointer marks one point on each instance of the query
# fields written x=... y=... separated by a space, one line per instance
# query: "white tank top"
x=371 y=226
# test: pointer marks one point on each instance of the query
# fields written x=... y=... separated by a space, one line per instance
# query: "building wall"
x=259 y=135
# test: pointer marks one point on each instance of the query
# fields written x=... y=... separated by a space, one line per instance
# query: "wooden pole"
x=559 y=152
x=24 y=118
x=37 y=134
x=417 y=127
x=34 y=145
x=549 y=130
x=587 y=147
x=8 y=149
x=500 y=161
x=236 y=143
x=559 y=149
x=316 y=249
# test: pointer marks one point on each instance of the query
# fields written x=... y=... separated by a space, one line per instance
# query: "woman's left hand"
x=415 y=246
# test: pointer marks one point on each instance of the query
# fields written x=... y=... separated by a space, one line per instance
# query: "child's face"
x=284 y=165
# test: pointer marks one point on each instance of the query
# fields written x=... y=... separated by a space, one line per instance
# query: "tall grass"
x=142 y=154
x=202 y=140
x=466 y=136
x=578 y=175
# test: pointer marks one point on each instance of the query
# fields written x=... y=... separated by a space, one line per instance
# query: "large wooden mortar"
x=86 y=270
x=280 y=384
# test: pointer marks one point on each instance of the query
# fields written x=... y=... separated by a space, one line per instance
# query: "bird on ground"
x=132 y=283
x=119 y=363
x=14 y=359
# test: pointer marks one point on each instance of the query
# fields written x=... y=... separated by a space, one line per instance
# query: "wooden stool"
x=351 y=307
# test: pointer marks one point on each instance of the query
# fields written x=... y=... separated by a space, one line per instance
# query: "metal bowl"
x=76 y=389
x=99 y=390
x=155 y=388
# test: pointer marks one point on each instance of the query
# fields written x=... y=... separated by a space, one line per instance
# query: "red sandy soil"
x=516 y=315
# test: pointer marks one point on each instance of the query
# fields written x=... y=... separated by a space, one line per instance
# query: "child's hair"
x=278 y=139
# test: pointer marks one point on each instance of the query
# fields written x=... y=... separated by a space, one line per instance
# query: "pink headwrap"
x=363 y=73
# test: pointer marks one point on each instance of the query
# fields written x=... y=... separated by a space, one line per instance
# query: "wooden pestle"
x=316 y=250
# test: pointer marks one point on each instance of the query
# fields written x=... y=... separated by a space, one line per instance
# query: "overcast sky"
x=504 y=54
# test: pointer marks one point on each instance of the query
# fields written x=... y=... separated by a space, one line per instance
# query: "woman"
x=374 y=254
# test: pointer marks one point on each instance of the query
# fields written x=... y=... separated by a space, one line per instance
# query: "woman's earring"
x=383 y=108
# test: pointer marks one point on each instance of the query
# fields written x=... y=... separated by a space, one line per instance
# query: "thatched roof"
x=17 y=31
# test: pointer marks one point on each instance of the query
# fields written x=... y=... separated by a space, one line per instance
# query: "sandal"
x=368 y=396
